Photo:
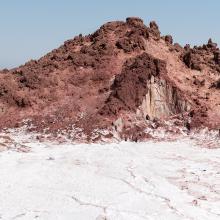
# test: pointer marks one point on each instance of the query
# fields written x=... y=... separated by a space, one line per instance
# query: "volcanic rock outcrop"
x=118 y=81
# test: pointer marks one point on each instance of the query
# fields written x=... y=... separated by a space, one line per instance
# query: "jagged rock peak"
x=135 y=21
x=211 y=43
x=154 y=25
x=169 y=39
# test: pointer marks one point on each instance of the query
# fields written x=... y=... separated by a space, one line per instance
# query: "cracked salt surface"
x=132 y=181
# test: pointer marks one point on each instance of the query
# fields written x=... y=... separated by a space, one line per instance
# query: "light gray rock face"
x=162 y=100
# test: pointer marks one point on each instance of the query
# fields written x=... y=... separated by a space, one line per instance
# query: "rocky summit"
x=122 y=81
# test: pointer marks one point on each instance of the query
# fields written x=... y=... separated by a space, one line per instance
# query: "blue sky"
x=29 y=29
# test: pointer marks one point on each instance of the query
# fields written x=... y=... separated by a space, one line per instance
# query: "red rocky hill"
x=120 y=80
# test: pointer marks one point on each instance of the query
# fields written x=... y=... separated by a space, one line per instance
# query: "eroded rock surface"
x=125 y=71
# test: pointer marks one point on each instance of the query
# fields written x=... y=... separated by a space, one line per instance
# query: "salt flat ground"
x=126 y=181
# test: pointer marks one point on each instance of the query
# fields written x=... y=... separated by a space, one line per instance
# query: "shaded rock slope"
x=117 y=82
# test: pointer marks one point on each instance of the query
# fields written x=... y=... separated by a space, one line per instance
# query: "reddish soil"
x=93 y=80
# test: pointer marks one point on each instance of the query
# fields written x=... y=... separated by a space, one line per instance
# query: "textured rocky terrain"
x=118 y=82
